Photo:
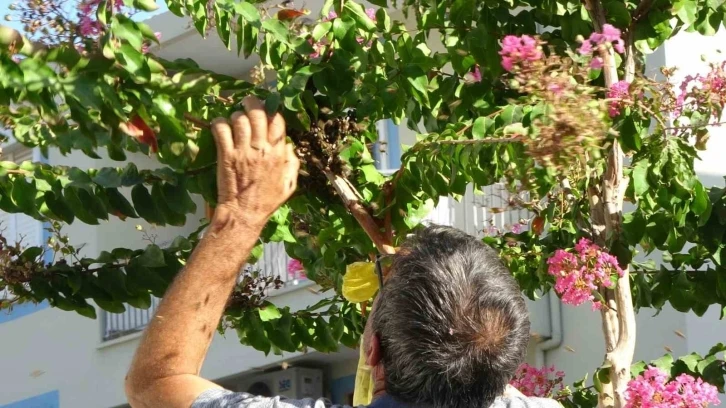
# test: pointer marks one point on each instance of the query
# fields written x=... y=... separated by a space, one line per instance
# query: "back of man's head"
x=452 y=323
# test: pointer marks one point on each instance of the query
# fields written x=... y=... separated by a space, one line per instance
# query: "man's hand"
x=256 y=168
x=256 y=173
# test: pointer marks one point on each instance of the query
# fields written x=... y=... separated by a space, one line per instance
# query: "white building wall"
x=55 y=350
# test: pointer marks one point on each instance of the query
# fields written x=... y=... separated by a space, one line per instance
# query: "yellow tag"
x=363 y=392
x=360 y=282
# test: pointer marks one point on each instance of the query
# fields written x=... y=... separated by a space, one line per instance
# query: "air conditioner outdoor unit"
x=295 y=383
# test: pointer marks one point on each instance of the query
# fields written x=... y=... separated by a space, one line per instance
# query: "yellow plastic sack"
x=363 y=392
x=360 y=282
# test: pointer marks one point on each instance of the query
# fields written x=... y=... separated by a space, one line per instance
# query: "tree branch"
x=352 y=200
x=606 y=214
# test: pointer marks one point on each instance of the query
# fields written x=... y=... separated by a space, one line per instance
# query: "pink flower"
x=704 y=92
x=474 y=76
x=585 y=48
x=519 y=50
x=534 y=382
x=652 y=389
x=578 y=275
x=331 y=16
x=371 y=13
x=516 y=228
x=555 y=88
x=596 y=63
x=610 y=35
x=491 y=231
x=295 y=270
x=620 y=92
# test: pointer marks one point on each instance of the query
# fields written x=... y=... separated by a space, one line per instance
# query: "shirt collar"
x=386 y=401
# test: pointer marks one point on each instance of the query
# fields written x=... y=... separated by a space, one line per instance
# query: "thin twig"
x=199 y=122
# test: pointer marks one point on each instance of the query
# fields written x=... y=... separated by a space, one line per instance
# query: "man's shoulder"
x=219 y=398
x=525 y=402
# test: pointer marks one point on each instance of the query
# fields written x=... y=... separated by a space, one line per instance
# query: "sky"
x=4 y=4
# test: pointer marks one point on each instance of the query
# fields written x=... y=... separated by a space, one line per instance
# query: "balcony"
x=273 y=263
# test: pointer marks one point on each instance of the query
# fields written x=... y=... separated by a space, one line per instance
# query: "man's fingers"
x=276 y=130
x=257 y=116
x=292 y=167
x=222 y=137
x=242 y=130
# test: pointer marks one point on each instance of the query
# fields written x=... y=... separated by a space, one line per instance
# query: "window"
x=387 y=151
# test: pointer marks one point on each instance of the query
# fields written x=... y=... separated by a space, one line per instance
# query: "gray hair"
x=451 y=320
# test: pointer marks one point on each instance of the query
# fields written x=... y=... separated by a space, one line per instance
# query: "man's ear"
x=373 y=353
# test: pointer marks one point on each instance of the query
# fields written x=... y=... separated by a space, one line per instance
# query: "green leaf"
x=178 y=198
x=131 y=59
x=111 y=306
x=23 y=195
x=78 y=207
x=255 y=332
x=304 y=330
x=321 y=30
x=58 y=207
x=359 y=15
x=145 y=205
x=277 y=29
x=113 y=281
x=640 y=177
x=686 y=10
x=664 y=363
x=30 y=254
x=617 y=13
x=324 y=336
x=108 y=177
x=700 y=199
x=268 y=312
x=153 y=257
x=708 y=22
x=482 y=127
x=248 y=11
x=142 y=301
x=119 y=204
x=145 y=5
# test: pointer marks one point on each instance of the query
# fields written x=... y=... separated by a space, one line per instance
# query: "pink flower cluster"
x=620 y=92
x=578 y=274
x=534 y=382
x=88 y=25
x=653 y=390
x=610 y=35
x=709 y=89
x=295 y=270
x=520 y=51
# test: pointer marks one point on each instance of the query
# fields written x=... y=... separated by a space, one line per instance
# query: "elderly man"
x=448 y=330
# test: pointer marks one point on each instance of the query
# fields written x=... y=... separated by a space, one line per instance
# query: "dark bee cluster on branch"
x=319 y=151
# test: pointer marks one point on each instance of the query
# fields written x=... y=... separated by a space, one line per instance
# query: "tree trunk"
x=606 y=207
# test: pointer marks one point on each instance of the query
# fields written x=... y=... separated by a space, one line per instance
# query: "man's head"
x=450 y=325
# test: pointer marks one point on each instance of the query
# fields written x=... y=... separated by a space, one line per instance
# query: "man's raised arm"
x=256 y=173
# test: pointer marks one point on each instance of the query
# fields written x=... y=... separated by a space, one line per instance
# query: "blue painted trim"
x=340 y=388
x=21 y=310
x=47 y=400
x=394 y=145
